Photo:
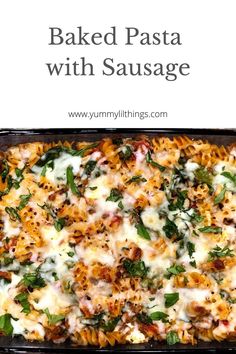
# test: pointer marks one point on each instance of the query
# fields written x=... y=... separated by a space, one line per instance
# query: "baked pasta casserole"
x=118 y=241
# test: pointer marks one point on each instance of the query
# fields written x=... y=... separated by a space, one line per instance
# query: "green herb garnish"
x=115 y=195
x=5 y=170
x=196 y=217
x=7 y=260
x=48 y=208
x=12 y=182
x=226 y=296
x=33 y=280
x=120 y=205
x=24 y=199
x=54 y=274
x=49 y=164
x=218 y=199
x=142 y=231
x=89 y=167
x=71 y=254
x=181 y=196
x=219 y=252
x=170 y=228
x=59 y=224
x=93 y=188
x=172 y=338
x=23 y=300
x=50 y=155
x=5 y=324
x=110 y=325
x=203 y=176
x=212 y=229
x=126 y=153
x=193 y=264
x=144 y=318
x=230 y=176
x=176 y=269
x=12 y=212
x=70 y=181
x=150 y=161
x=82 y=151
x=171 y=299
x=135 y=268
x=53 y=319
x=190 y=248
x=136 y=179
x=159 y=316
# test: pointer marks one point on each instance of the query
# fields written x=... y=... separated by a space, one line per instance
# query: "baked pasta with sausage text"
x=118 y=241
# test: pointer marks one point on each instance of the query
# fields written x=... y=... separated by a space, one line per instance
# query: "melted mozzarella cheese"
x=202 y=248
x=18 y=327
x=74 y=320
x=187 y=296
x=190 y=167
x=232 y=278
x=29 y=326
x=128 y=232
x=222 y=180
x=9 y=230
x=5 y=289
x=53 y=299
x=57 y=248
x=60 y=165
x=136 y=336
x=93 y=254
x=102 y=186
x=152 y=220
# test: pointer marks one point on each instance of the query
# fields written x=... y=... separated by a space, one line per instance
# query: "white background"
x=31 y=98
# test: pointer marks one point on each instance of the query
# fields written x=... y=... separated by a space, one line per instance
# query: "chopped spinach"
x=230 y=176
x=12 y=212
x=219 y=252
x=144 y=318
x=110 y=325
x=24 y=199
x=115 y=195
x=150 y=161
x=190 y=248
x=5 y=324
x=171 y=299
x=89 y=167
x=203 y=176
x=170 y=228
x=59 y=224
x=135 y=268
x=142 y=231
x=53 y=319
x=176 y=269
x=172 y=338
x=126 y=153
x=4 y=170
x=159 y=316
x=22 y=298
x=33 y=280
x=221 y=196
x=70 y=181
x=181 y=196
x=211 y=229
x=136 y=179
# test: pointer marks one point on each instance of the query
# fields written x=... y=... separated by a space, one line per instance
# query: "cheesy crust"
x=118 y=241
